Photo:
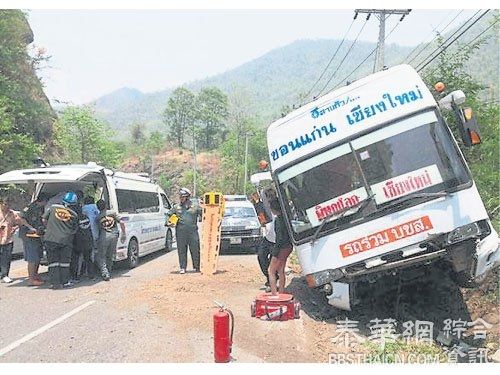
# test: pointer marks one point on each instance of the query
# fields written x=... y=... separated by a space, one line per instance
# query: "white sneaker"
x=182 y=271
x=6 y=279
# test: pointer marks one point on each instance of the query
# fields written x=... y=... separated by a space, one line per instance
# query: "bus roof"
x=366 y=103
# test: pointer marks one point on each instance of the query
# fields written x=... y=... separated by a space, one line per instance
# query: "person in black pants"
x=62 y=224
x=265 y=249
x=186 y=230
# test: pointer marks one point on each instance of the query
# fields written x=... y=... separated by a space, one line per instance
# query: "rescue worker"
x=186 y=230
x=62 y=224
x=84 y=245
x=108 y=238
x=90 y=210
x=30 y=233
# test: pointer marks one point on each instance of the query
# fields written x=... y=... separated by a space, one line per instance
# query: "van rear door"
x=41 y=175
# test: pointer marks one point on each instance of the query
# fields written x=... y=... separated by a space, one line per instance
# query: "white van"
x=142 y=204
x=372 y=184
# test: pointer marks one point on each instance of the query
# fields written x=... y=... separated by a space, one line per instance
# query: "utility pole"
x=382 y=15
x=194 y=166
x=246 y=165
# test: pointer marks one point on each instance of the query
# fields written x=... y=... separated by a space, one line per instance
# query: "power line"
x=367 y=57
x=471 y=42
x=449 y=38
x=331 y=60
x=341 y=62
x=453 y=41
x=430 y=42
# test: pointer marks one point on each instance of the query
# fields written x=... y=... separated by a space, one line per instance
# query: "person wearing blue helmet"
x=61 y=226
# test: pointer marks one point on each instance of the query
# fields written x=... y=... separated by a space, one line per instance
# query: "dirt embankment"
x=173 y=166
x=188 y=301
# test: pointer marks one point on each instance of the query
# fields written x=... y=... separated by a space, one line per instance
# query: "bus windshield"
x=416 y=154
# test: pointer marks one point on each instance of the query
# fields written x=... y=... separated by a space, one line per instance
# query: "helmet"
x=184 y=192
x=70 y=198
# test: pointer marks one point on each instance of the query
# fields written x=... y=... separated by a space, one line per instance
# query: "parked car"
x=240 y=226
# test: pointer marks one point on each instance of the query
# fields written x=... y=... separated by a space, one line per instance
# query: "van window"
x=146 y=202
x=165 y=202
x=125 y=200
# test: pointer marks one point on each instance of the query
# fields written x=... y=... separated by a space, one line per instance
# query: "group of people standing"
x=273 y=251
x=79 y=235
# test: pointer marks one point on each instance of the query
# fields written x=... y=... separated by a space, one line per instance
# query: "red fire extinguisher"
x=223 y=334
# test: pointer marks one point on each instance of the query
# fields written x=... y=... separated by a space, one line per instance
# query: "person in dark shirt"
x=282 y=249
x=108 y=238
x=62 y=224
x=30 y=233
x=186 y=230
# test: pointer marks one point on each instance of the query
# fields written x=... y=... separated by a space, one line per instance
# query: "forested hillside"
x=282 y=76
x=26 y=117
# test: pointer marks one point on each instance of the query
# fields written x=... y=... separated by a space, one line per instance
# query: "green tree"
x=16 y=150
x=483 y=159
x=212 y=111
x=179 y=114
x=137 y=133
x=83 y=138
x=21 y=90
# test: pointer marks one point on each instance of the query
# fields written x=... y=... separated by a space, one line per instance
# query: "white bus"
x=142 y=204
x=372 y=183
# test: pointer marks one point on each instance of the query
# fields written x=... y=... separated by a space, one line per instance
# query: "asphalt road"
x=95 y=321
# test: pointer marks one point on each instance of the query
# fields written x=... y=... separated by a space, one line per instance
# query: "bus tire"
x=169 y=239
x=133 y=253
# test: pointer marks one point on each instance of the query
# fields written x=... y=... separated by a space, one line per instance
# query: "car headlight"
x=256 y=232
x=463 y=233
x=323 y=277
x=253 y=226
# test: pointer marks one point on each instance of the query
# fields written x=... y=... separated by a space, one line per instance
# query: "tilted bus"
x=372 y=183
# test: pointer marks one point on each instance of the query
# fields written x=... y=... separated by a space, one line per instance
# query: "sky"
x=94 y=52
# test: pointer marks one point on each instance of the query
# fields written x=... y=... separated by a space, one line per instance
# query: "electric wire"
x=366 y=58
x=341 y=62
x=471 y=42
x=453 y=41
x=331 y=60
x=431 y=41
x=431 y=56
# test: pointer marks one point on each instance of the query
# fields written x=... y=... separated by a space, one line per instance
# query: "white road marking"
x=41 y=330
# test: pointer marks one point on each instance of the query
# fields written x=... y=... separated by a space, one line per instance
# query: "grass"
x=394 y=352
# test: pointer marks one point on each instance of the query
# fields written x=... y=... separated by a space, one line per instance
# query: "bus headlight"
x=323 y=277
x=463 y=233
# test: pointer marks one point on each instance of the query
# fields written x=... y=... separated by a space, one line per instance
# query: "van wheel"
x=168 y=241
x=133 y=253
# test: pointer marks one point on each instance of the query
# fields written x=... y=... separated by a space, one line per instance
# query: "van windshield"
x=239 y=212
x=416 y=154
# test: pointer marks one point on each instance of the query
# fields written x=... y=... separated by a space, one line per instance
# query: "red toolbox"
x=280 y=307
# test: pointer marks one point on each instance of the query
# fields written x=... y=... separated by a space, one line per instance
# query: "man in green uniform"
x=108 y=237
x=186 y=230
x=62 y=223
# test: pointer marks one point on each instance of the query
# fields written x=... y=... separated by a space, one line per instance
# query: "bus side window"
x=165 y=202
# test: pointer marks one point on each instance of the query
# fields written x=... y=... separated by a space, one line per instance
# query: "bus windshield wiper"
x=414 y=196
x=360 y=207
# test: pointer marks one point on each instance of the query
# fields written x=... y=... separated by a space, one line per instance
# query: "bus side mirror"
x=467 y=125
